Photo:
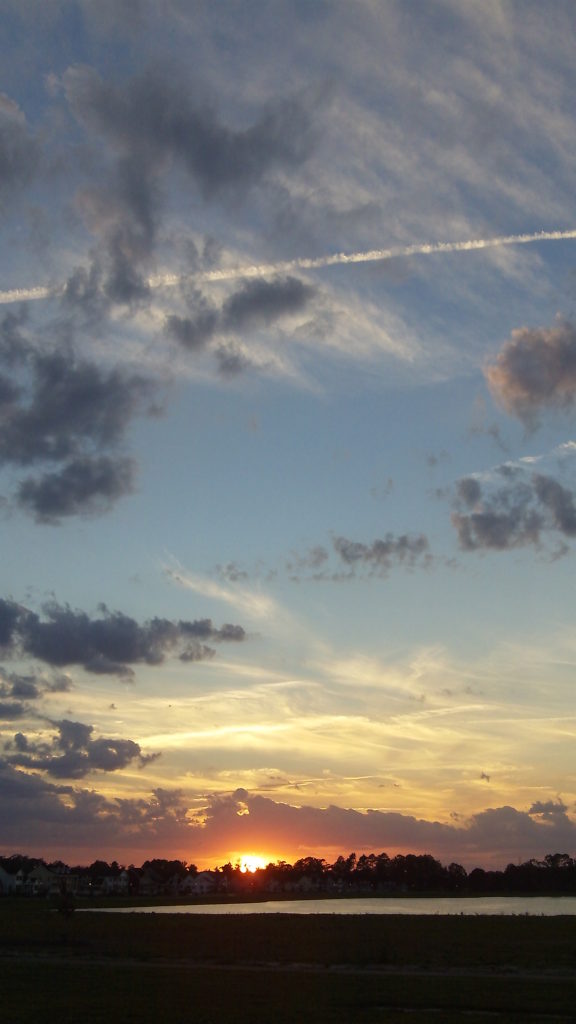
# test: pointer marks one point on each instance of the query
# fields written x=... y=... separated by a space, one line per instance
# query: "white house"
x=201 y=884
x=7 y=882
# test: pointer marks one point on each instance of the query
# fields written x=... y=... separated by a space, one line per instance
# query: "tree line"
x=414 y=873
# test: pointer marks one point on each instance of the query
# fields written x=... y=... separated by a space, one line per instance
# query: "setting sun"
x=252 y=862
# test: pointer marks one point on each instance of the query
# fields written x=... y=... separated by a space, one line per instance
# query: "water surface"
x=547 y=906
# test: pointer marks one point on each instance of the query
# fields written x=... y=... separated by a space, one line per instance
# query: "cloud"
x=513 y=515
x=382 y=554
x=19 y=151
x=549 y=810
x=231 y=360
x=12 y=709
x=14 y=685
x=249 y=602
x=85 y=486
x=256 y=305
x=153 y=119
x=14 y=345
x=70 y=403
x=263 y=302
x=245 y=821
x=59 y=408
x=355 y=559
x=193 y=332
x=73 y=753
x=110 y=644
x=40 y=815
x=535 y=370
x=381 y=255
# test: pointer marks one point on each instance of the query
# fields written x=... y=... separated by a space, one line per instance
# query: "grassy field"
x=321 y=969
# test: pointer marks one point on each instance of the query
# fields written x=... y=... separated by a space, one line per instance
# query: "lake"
x=535 y=906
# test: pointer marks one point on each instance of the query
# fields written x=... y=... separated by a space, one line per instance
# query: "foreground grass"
x=322 y=969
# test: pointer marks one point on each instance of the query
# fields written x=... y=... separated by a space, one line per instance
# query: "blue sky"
x=287 y=549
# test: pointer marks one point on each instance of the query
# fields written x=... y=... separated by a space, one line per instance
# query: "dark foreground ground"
x=278 y=969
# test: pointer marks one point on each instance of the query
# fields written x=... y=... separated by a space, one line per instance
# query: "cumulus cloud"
x=40 y=814
x=535 y=370
x=514 y=514
x=70 y=403
x=85 y=486
x=57 y=408
x=51 y=816
x=108 y=644
x=73 y=753
x=244 y=821
x=549 y=810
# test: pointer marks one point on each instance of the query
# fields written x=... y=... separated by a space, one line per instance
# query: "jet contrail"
x=27 y=294
x=375 y=255
x=315 y=262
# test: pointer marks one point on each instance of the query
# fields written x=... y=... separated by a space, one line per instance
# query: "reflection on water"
x=547 y=906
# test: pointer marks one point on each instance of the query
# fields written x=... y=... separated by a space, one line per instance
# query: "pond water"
x=547 y=906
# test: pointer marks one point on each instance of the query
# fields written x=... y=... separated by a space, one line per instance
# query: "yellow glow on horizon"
x=251 y=862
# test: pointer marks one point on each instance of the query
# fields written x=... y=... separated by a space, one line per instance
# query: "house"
x=7 y=882
x=202 y=884
x=40 y=881
x=117 y=885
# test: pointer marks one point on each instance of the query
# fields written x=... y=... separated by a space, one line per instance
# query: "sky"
x=288 y=457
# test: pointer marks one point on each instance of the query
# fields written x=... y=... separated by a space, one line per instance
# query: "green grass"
x=146 y=994
x=282 y=969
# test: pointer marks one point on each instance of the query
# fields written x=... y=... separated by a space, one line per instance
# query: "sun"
x=251 y=862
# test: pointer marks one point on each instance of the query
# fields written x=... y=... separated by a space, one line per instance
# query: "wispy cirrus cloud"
x=249 y=601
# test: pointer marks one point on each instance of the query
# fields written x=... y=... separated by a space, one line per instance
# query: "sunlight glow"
x=251 y=862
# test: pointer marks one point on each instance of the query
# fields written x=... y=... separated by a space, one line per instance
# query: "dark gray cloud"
x=14 y=345
x=262 y=302
x=535 y=370
x=514 y=514
x=31 y=687
x=154 y=119
x=194 y=332
x=56 y=407
x=15 y=689
x=22 y=687
x=558 y=502
x=51 y=816
x=73 y=753
x=108 y=644
x=19 y=151
x=496 y=835
x=383 y=554
x=123 y=214
x=85 y=486
x=549 y=810
x=10 y=614
x=469 y=491
x=231 y=360
x=353 y=559
x=37 y=813
x=314 y=559
x=256 y=304
x=12 y=709
x=70 y=403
